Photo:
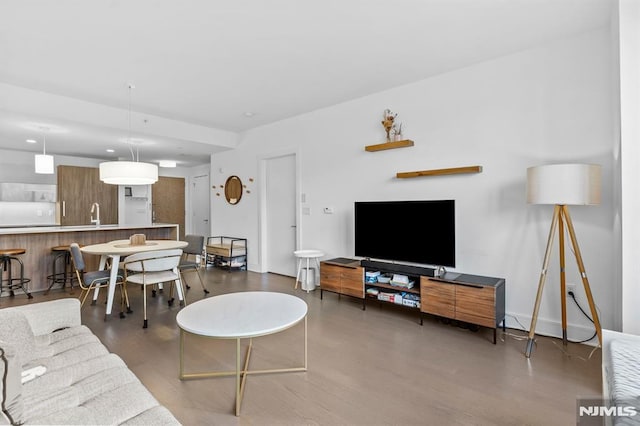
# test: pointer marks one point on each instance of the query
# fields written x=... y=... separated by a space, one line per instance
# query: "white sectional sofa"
x=73 y=377
x=621 y=376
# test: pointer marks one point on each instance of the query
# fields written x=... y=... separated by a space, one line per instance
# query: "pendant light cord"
x=134 y=157
x=44 y=139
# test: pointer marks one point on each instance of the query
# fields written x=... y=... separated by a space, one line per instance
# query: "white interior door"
x=200 y=206
x=281 y=214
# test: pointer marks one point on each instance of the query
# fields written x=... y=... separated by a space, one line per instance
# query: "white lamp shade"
x=44 y=164
x=128 y=173
x=575 y=184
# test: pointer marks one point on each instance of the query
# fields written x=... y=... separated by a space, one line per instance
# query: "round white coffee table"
x=241 y=316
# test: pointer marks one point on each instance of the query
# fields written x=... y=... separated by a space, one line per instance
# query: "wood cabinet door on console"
x=78 y=189
x=352 y=282
x=330 y=277
x=437 y=298
x=476 y=305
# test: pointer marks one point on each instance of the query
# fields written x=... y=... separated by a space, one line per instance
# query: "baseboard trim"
x=551 y=328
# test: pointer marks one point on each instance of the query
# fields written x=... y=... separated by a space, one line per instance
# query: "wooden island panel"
x=39 y=258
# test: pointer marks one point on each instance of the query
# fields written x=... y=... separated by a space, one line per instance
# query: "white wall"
x=545 y=105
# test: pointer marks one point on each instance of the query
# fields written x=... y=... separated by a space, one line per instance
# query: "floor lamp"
x=563 y=185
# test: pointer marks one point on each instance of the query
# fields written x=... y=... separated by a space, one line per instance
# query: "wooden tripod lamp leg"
x=563 y=278
x=583 y=273
x=543 y=276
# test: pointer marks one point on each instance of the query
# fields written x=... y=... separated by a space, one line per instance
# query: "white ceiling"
x=200 y=65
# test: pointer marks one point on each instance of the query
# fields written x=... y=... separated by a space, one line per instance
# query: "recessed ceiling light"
x=167 y=163
x=111 y=150
x=31 y=141
x=249 y=114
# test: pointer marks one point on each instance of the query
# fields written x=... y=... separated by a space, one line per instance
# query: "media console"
x=467 y=298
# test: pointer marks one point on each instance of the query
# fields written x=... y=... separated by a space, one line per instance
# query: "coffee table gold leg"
x=238 y=377
x=240 y=381
x=181 y=354
x=240 y=388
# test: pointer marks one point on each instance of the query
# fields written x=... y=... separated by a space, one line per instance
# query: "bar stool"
x=6 y=257
x=61 y=253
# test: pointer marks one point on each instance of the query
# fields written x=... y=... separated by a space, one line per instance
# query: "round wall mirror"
x=233 y=189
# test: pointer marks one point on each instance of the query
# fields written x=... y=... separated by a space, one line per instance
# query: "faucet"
x=95 y=207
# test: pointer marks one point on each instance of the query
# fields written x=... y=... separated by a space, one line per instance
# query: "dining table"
x=117 y=249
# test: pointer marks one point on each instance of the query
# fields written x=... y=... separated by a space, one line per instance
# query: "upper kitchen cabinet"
x=78 y=189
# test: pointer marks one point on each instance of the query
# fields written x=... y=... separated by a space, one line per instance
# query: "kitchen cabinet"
x=167 y=196
x=78 y=189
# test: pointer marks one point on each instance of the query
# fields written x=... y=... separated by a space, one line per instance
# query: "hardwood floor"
x=373 y=367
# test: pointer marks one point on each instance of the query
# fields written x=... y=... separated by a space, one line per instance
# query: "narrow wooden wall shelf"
x=439 y=172
x=389 y=145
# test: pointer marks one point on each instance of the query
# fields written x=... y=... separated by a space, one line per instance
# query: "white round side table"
x=302 y=255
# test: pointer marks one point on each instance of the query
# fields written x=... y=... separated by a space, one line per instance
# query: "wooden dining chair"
x=151 y=268
x=92 y=280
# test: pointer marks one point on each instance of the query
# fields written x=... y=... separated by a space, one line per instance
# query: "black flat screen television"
x=407 y=231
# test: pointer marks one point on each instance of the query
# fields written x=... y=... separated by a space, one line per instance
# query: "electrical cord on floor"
x=595 y=333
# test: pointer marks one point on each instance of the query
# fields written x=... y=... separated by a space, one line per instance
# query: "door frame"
x=262 y=201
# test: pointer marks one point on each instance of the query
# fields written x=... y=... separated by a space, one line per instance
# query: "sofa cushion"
x=63 y=341
x=157 y=416
x=10 y=372
x=85 y=384
x=111 y=397
x=17 y=331
x=625 y=382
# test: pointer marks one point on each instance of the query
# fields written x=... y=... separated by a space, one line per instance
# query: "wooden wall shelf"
x=389 y=145
x=439 y=172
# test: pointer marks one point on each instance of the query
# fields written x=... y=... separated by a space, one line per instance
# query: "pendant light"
x=44 y=162
x=129 y=172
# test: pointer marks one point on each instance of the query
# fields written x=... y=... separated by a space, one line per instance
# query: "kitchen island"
x=38 y=241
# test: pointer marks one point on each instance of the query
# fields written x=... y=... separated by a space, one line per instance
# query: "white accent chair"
x=152 y=268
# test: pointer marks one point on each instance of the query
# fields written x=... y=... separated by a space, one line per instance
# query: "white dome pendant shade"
x=128 y=173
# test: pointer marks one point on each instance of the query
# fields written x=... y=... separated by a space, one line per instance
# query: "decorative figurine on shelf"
x=388 y=124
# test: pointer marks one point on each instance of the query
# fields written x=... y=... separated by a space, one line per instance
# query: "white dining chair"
x=151 y=268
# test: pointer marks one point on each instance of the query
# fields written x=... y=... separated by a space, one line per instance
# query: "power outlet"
x=571 y=288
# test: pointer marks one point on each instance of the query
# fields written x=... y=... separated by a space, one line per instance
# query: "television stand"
x=467 y=298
